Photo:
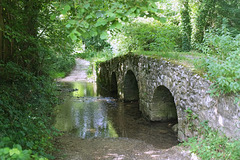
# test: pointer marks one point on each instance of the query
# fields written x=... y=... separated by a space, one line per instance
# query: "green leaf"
x=84 y=24
x=93 y=33
x=14 y=151
x=6 y=150
x=64 y=12
x=73 y=36
x=163 y=20
x=53 y=17
x=101 y=22
x=116 y=25
x=71 y=21
x=67 y=7
x=68 y=25
x=87 y=5
x=104 y=35
x=89 y=16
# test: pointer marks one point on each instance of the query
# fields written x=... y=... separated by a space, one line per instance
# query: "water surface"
x=85 y=114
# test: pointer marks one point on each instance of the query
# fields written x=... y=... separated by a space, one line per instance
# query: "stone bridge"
x=167 y=91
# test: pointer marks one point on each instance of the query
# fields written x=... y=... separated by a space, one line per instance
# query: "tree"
x=204 y=18
x=186 y=26
x=92 y=18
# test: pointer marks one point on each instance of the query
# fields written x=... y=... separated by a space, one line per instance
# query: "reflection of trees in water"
x=91 y=119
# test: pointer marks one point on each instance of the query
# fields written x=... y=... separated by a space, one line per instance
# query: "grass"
x=56 y=75
x=185 y=58
x=191 y=60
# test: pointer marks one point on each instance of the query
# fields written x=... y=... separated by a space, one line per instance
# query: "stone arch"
x=114 y=86
x=163 y=107
x=131 y=91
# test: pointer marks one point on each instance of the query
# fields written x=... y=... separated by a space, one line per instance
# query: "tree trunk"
x=204 y=19
x=186 y=26
x=1 y=30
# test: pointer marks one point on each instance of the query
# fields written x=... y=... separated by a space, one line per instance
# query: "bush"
x=17 y=153
x=26 y=106
x=213 y=145
x=222 y=61
x=220 y=44
x=147 y=36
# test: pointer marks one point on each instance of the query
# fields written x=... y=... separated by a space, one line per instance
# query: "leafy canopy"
x=92 y=18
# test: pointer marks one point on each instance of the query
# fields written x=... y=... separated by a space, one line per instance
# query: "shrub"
x=17 y=153
x=147 y=36
x=26 y=104
x=213 y=145
x=222 y=61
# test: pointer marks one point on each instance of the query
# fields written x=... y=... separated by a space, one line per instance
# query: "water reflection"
x=82 y=114
x=86 y=115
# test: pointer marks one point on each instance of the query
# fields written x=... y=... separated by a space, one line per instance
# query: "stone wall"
x=159 y=83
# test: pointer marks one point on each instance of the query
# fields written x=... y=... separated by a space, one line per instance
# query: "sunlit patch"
x=150 y=152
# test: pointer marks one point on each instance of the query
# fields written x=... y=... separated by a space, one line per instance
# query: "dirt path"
x=79 y=73
x=74 y=148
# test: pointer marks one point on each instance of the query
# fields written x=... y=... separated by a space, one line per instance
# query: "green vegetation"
x=17 y=153
x=38 y=39
x=190 y=118
x=213 y=145
x=186 y=27
x=148 y=35
x=33 y=50
x=222 y=63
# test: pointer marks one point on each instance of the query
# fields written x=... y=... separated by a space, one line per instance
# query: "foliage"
x=213 y=145
x=222 y=63
x=186 y=28
x=147 y=36
x=26 y=108
x=36 y=41
x=95 y=44
x=227 y=12
x=190 y=118
x=205 y=11
x=91 y=18
x=61 y=65
x=17 y=152
x=213 y=14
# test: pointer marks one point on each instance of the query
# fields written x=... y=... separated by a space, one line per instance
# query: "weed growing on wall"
x=190 y=118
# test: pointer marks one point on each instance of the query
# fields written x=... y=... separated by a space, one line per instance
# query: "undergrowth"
x=221 y=64
x=26 y=104
x=212 y=144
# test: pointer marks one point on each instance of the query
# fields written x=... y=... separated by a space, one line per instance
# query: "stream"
x=84 y=114
x=98 y=127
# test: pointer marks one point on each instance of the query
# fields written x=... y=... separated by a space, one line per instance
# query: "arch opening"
x=131 y=92
x=163 y=107
x=113 y=86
